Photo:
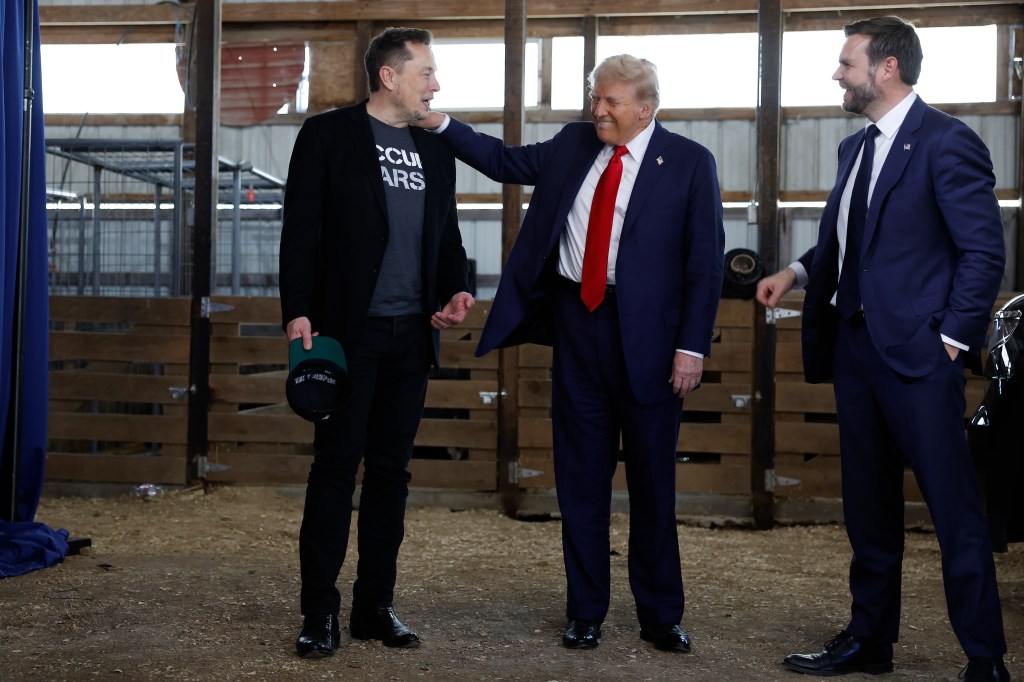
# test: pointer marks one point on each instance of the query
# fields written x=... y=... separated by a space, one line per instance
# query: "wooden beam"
x=461 y=10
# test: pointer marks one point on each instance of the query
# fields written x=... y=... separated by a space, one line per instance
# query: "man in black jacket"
x=371 y=255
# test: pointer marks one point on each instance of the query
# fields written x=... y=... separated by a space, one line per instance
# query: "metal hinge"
x=207 y=307
x=204 y=467
x=773 y=314
x=515 y=472
x=771 y=481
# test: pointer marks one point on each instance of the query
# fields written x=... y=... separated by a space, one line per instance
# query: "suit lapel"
x=903 y=146
x=581 y=164
x=648 y=176
x=366 y=152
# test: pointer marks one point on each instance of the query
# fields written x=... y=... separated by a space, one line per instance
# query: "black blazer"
x=336 y=225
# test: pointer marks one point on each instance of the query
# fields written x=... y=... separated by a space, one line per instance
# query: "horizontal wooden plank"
x=537 y=472
x=821 y=477
x=123 y=347
x=798 y=396
x=718 y=438
x=293 y=469
x=125 y=428
x=264 y=428
x=130 y=388
x=734 y=312
x=798 y=437
x=708 y=398
x=729 y=357
x=456 y=354
x=249 y=350
x=131 y=311
x=62 y=466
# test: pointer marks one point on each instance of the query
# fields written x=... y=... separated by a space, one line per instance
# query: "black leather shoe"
x=985 y=670
x=319 y=637
x=843 y=654
x=581 y=634
x=666 y=637
x=381 y=623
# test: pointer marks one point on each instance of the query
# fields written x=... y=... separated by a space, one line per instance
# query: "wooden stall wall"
x=715 y=440
x=256 y=439
x=806 y=432
x=118 y=390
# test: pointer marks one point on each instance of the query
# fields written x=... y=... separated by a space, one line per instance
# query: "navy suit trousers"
x=886 y=419
x=592 y=408
x=388 y=366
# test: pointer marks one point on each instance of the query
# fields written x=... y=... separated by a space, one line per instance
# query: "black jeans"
x=388 y=366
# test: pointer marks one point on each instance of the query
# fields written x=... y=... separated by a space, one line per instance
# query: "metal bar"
x=207 y=74
x=177 y=216
x=769 y=110
x=82 y=218
x=156 y=241
x=236 y=234
x=511 y=218
x=97 y=196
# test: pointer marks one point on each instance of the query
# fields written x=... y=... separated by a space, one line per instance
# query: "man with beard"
x=899 y=290
x=371 y=255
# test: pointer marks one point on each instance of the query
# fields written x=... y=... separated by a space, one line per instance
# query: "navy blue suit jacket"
x=669 y=266
x=933 y=254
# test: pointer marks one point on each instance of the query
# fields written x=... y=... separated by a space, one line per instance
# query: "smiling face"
x=857 y=77
x=409 y=89
x=618 y=115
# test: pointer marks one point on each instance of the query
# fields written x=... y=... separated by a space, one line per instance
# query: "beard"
x=861 y=95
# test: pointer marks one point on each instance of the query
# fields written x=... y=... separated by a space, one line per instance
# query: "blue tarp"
x=24 y=546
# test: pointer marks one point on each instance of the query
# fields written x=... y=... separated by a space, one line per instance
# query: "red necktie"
x=599 y=232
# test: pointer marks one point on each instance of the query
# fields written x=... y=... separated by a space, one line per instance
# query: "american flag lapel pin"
x=660 y=160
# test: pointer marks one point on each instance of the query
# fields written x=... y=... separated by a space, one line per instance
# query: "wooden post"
x=511 y=219
x=762 y=465
x=590 y=29
x=207 y=121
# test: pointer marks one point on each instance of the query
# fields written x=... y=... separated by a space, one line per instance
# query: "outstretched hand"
x=772 y=288
x=454 y=312
x=429 y=121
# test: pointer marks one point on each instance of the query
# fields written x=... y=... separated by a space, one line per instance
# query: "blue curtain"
x=23 y=545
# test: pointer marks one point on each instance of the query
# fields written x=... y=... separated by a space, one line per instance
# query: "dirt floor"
x=190 y=585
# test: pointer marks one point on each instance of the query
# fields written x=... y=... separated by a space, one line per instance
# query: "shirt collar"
x=638 y=145
x=890 y=124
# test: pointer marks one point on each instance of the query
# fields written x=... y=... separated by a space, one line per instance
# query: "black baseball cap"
x=318 y=384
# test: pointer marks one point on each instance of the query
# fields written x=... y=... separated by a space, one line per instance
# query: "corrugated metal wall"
x=809 y=148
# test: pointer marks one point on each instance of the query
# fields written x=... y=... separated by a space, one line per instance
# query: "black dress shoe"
x=319 y=637
x=985 y=670
x=381 y=623
x=666 y=637
x=843 y=654
x=581 y=634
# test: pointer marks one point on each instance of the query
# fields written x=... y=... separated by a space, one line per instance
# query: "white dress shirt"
x=574 y=237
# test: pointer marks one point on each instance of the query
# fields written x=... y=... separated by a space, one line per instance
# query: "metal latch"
x=742 y=401
x=179 y=392
x=491 y=397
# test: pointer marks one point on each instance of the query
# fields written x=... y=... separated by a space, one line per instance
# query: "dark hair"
x=891 y=37
x=389 y=49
